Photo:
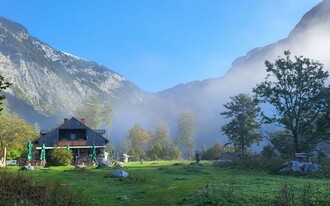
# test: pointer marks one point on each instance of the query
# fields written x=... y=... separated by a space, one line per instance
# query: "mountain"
x=310 y=38
x=54 y=83
x=50 y=84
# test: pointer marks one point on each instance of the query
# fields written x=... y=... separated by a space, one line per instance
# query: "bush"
x=59 y=157
x=257 y=162
x=306 y=195
x=268 y=151
x=16 y=189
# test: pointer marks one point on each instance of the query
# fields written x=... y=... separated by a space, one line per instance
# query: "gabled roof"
x=74 y=123
x=71 y=123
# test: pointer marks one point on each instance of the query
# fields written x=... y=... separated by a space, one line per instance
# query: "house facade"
x=73 y=133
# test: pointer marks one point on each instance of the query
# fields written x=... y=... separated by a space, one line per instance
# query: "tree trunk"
x=5 y=156
x=296 y=144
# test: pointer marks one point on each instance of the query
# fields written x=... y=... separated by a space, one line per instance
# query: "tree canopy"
x=243 y=128
x=137 y=142
x=297 y=91
x=185 y=138
x=161 y=147
x=14 y=135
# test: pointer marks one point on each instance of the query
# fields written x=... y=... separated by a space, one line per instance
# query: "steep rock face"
x=56 y=82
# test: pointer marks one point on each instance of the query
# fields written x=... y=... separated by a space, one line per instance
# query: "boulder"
x=229 y=156
x=303 y=167
x=119 y=173
x=28 y=167
x=104 y=163
x=221 y=162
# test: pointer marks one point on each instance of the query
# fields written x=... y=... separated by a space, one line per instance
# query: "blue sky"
x=158 y=44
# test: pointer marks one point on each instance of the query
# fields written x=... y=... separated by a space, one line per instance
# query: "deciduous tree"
x=244 y=129
x=185 y=137
x=161 y=147
x=14 y=135
x=296 y=89
x=137 y=142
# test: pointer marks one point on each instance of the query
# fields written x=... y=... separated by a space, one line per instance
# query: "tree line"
x=157 y=145
x=295 y=90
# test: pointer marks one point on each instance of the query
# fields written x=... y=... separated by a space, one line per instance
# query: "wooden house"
x=75 y=134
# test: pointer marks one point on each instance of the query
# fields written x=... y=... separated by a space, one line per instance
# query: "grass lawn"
x=169 y=184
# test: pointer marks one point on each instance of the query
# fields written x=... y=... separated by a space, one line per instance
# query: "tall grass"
x=287 y=195
x=16 y=189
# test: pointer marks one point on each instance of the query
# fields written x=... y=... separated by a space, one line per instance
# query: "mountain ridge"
x=47 y=79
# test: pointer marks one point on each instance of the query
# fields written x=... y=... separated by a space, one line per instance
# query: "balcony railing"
x=64 y=143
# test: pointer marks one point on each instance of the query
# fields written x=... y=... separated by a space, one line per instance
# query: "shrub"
x=306 y=195
x=60 y=157
x=268 y=151
x=257 y=162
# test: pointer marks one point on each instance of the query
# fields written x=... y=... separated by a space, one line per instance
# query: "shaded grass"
x=16 y=189
x=169 y=183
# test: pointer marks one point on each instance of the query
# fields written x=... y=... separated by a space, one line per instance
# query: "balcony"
x=64 y=143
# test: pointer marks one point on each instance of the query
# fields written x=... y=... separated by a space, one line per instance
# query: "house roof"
x=71 y=123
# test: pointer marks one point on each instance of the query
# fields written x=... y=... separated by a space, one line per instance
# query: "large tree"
x=14 y=135
x=185 y=138
x=296 y=89
x=244 y=129
x=3 y=85
x=137 y=142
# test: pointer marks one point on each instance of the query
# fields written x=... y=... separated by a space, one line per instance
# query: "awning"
x=73 y=147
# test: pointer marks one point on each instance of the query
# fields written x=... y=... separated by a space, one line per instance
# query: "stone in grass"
x=180 y=178
x=80 y=167
x=120 y=164
x=221 y=162
x=28 y=167
x=197 y=163
x=304 y=167
x=120 y=174
x=123 y=198
x=104 y=163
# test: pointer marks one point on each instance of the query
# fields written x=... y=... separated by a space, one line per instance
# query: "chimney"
x=83 y=121
x=65 y=120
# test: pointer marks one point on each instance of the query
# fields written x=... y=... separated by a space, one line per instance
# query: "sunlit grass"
x=163 y=183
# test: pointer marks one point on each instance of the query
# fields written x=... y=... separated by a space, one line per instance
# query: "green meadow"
x=178 y=183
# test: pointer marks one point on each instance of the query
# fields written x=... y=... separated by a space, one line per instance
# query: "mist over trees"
x=185 y=138
x=137 y=142
x=243 y=129
x=296 y=89
x=146 y=144
x=95 y=113
x=161 y=147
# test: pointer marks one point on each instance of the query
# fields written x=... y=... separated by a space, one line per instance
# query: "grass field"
x=178 y=183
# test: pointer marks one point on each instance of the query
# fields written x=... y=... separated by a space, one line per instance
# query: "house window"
x=72 y=136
